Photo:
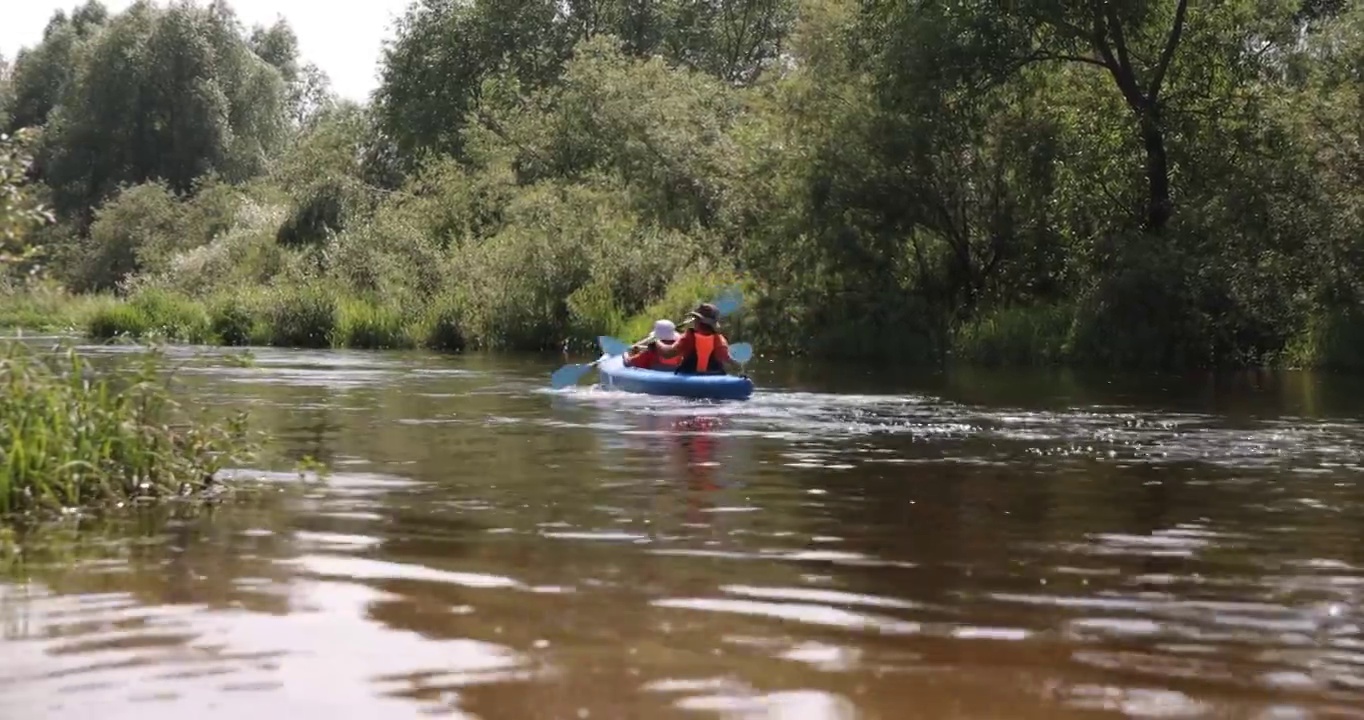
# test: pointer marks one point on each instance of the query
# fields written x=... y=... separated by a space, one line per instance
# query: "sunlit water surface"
x=844 y=545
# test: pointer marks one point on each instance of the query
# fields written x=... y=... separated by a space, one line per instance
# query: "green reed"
x=71 y=436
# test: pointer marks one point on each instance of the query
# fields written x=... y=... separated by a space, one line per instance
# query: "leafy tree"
x=433 y=72
x=309 y=88
x=6 y=91
x=734 y=40
x=20 y=209
x=1135 y=43
x=662 y=132
x=42 y=73
x=170 y=93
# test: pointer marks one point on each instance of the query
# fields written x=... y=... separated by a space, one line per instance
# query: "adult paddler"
x=702 y=348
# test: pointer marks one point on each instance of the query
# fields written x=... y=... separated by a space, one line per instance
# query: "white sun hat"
x=665 y=330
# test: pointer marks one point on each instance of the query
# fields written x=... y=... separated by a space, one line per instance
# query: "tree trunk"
x=1159 y=206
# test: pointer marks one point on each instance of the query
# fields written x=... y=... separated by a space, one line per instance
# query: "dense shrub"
x=301 y=316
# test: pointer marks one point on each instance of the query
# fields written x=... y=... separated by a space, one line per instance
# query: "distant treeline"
x=1131 y=182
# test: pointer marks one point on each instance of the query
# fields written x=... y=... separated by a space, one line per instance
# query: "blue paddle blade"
x=729 y=301
x=568 y=375
x=612 y=346
x=741 y=352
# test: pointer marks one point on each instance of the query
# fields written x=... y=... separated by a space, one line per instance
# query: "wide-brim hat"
x=706 y=314
x=665 y=330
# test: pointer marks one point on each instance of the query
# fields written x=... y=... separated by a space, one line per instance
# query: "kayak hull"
x=615 y=375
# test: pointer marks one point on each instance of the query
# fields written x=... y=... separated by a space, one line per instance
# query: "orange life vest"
x=705 y=345
x=702 y=354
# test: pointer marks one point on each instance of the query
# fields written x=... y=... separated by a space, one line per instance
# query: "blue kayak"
x=614 y=374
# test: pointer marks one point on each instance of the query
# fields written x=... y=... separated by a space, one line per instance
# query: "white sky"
x=345 y=43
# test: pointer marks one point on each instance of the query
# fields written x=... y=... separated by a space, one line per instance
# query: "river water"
x=845 y=545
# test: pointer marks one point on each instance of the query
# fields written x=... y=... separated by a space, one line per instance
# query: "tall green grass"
x=45 y=307
x=320 y=314
x=1331 y=339
x=71 y=436
x=304 y=316
x=152 y=314
x=1018 y=336
x=441 y=327
x=371 y=326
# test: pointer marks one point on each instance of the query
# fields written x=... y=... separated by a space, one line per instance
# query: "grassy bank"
x=47 y=307
x=318 y=315
x=72 y=436
x=1062 y=334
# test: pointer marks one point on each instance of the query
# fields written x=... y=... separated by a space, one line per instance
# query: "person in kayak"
x=647 y=357
x=702 y=349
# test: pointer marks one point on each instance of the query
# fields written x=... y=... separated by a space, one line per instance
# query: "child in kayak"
x=648 y=358
x=701 y=349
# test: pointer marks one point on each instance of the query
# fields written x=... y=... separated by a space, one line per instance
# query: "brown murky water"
x=842 y=546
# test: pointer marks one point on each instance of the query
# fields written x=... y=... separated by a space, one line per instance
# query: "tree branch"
x=1097 y=38
x=1114 y=24
x=1168 y=54
x=1094 y=38
x=1119 y=67
x=1061 y=57
x=1073 y=31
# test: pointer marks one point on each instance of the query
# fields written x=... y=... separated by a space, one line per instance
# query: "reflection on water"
x=985 y=546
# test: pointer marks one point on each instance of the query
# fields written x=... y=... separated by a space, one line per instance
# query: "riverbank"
x=315 y=316
x=1069 y=335
x=311 y=315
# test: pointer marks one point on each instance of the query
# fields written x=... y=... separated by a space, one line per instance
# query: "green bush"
x=173 y=316
x=515 y=286
x=441 y=327
x=1025 y=335
x=593 y=311
x=140 y=220
x=243 y=256
x=301 y=316
x=687 y=290
x=323 y=208
x=47 y=307
x=70 y=436
x=232 y=322
x=118 y=320
x=152 y=313
x=1332 y=339
x=363 y=324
